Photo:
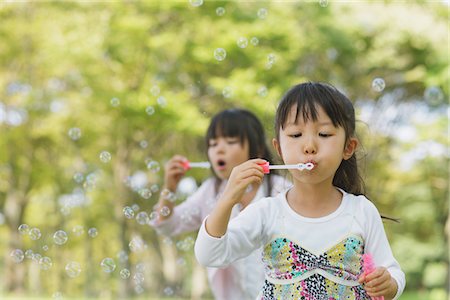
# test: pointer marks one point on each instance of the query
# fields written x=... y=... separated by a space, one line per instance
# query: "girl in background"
x=233 y=137
x=314 y=234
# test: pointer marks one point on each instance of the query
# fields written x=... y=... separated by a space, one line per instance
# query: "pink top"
x=241 y=279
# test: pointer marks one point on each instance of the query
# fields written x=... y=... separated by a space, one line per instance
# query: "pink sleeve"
x=188 y=215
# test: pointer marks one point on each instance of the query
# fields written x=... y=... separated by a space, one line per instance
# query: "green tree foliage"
x=140 y=81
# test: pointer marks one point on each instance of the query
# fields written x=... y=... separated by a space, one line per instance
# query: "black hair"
x=246 y=126
x=307 y=97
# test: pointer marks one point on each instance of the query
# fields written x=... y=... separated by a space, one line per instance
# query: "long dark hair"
x=307 y=97
x=246 y=126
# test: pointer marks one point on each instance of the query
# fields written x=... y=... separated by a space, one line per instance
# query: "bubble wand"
x=369 y=267
x=301 y=166
x=202 y=164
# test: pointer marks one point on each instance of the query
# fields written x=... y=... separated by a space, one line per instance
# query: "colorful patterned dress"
x=293 y=272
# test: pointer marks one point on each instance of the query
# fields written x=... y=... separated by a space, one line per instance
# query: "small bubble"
x=165 y=211
x=154 y=90
x=93 y=232
x=378 y=85
x=433 y=95
x=271 y=58
x=149 y=110
x=220 y=11
x=168 y=291
x=153 y=216
x=145 y=193
x=227 y=92
x=78 y=230
x=24 y=229
x=135 y=207
x=29 y=253
x=143 y=144
x=35 y=233
x=162 y=102
x=45 y=248
x=125 y=273
x=60 y=237
x=196 y=3
x=17 y=255
x=108 y=265
x=128 y=212
x=254 y=41
x=142 y=218
x=115 y=102
x=105 y=156
x=136 y=244
x=74 y=133
x=242 y=42
x=122 y=256
x=262 y=91
x=78 y=177
x=45 y=263
x=262 y=13
x=153 y=166
x=220 y=54
x=323 y=3
x=138 y=278
x=73 y=269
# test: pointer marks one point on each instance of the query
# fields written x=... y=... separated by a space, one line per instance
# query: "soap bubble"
x=149 y=110
x=136 y=244
x=105 y=156
x=227 y=92
x=433 y=95
x=262 y=91
x=74 y=133
x=165 y=211
x=138 y=278
x=23 y=229
x=45 y=263
x=220 y=11
x=108 y=265
x=323 y=3
x=196 y=3
x=29 y=253
x=125 y=273
x=153 y=166
x=78 y=177
x=242 y=42
x=161 y=101
x=154 y=90
x=60 y=237
x=254 y=41
x=378 y=85
x=142 y=218
x=220 y=54
x=168 y=291
x=78 y=230
x=17 y=255
x=115 y=102
x=93 y=232
x=145 y=193
x=45 y=248
x=35 y=233
x=128 y=212
x=262 y=13
x=73 y=269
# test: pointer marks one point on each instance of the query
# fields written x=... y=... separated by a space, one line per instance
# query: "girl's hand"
x=174 y=171
x=249 y=172
x=379 y=283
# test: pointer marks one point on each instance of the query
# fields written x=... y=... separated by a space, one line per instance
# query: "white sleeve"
x=187 y=216
x=244 y=235
x=378 y=246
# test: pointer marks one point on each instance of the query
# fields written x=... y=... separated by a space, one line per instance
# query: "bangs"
x=227 y=125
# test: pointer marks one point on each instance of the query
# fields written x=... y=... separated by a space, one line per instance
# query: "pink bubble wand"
x=369 y=267
x=202 y=164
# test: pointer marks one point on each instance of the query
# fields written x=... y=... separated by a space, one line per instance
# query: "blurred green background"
x=96 y=96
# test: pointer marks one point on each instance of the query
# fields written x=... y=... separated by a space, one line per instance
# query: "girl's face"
x=225 y=153
x=318 y=142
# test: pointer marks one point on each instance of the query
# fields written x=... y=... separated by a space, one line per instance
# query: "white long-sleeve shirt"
x=243 y=278
x=305 y=255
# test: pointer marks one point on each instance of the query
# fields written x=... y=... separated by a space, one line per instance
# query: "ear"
x=276 y=145
x=350 y=148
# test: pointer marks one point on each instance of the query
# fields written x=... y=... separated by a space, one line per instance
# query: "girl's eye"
x=295 y=135
x=212 y=144
x=323 y=134
x=232 y=141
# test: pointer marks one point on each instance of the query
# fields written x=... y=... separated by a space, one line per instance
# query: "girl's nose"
x=310 y=147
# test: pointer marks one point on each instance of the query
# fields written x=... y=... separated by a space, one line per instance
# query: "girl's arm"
x=241 y=177
x=388 y=279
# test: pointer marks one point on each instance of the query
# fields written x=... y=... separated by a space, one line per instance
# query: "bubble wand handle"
x=301 y=166
x=369 y=267
x=202 y=164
